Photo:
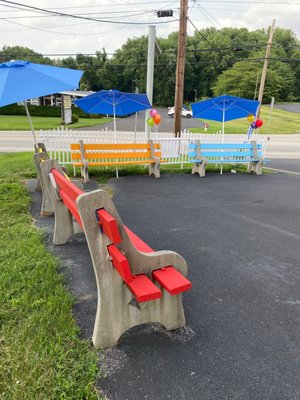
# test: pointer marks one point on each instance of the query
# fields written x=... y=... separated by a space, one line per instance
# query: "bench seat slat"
x=143 y=288
x=172 y=280
x=120 y=263
x=114 y=163
x=234 y=160
x=120 y=155
x=138 y=242
x=71 y=205
x=225 y=154
x=109 y=226
x=146 y=155
x=225 y=146
x=114 y=146
x=66 y=185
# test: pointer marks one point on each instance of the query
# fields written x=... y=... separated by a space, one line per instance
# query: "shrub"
x=40 y=111
x=75 y=118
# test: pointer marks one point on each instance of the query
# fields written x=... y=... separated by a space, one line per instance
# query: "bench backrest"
x=236 y=151
x=111 y=151
x=68 y=192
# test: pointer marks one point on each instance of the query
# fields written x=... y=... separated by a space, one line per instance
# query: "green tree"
x=22 y=53
x=240 y=80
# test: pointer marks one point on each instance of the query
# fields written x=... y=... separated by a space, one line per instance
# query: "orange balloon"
x=157 y=119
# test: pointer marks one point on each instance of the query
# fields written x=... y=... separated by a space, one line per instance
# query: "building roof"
x=77 y=93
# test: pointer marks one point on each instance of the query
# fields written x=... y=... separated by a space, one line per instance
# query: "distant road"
x=11 y=141
x=128 y=124
x=292 y=107
x=284 y=147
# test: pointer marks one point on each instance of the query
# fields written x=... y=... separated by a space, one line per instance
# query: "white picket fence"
x=174 y=150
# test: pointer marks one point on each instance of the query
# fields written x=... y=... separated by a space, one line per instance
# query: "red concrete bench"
x=140 y=285
x=135 y=284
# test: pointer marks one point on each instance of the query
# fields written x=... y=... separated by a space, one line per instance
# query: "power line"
x=201 y=34
x=143 y=53
x=270 y=3
x=210 y=62
x=62 y=33
x=242 y=10
x=208 y=15
x=60 y=14
x=252 y=60
x=116 y=16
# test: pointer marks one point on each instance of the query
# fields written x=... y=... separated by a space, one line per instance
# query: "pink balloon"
x=153 y=112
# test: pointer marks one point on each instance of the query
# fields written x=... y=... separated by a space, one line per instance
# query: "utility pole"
x=150 y=73
x=265 y=67
x=180 y=67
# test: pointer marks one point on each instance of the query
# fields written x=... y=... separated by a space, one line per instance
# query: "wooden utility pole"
x=265 y=67
x=180 y=67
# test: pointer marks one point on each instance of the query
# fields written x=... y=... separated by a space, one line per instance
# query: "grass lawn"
x=20 y=122
x=281 y=122
x=41 y=354
x=42 y=357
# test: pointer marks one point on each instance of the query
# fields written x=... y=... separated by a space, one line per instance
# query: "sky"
x=48 y=28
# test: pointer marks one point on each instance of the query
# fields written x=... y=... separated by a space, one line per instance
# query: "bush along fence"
x=173 y=150
x=40 y=111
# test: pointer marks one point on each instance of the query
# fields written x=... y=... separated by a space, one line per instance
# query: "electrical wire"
x=60 y=14
x=170 y=51
x=200 y=33
x=208 y=15
x=29 y=27
x=270 y=3
x=113 y=64
x=109 y=17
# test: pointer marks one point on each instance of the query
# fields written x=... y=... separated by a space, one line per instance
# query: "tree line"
x=218 y=61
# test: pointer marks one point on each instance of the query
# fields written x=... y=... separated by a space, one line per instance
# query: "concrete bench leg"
x=255 y=167
x=63 y=227
x=85 y=173
x=199 y=168
x=46 y=207
x=37 y=186
x=154 y=169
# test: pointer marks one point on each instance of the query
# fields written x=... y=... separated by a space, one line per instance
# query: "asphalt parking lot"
x=240 y=236
x=167 y=123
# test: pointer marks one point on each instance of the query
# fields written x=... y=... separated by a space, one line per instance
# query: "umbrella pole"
x=115 y=130
x=135 y=127
x=223 y=126
x=30 y=123
x=115 y=125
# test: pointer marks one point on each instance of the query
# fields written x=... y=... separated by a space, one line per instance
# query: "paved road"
x=284 y=146
x=11 y=141
x=128 y=124
x=292 y=107
x=240 y=237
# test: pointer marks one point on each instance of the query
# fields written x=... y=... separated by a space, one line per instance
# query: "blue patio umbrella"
x=224 y=108
x=113 y=102
x=22 y=80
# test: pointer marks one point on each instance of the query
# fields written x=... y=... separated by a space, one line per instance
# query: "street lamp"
x=195 y=90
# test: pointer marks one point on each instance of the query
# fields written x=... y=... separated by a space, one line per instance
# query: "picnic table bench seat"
x=85 y=155
x=135 y=284
x=201 y=154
